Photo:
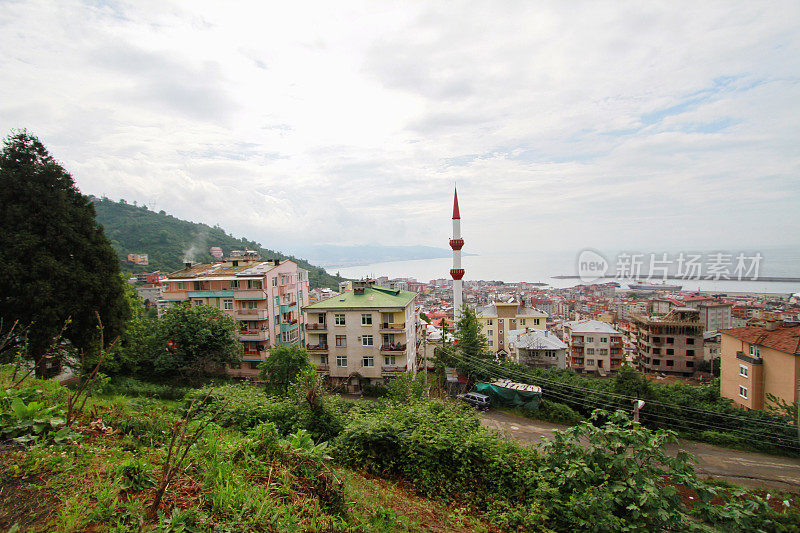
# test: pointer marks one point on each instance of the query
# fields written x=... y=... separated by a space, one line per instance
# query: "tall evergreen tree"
x=55 y=261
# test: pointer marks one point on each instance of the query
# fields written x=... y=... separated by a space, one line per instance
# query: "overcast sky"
x=642 y=125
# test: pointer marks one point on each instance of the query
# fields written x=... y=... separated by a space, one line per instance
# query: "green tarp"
x=510 y=397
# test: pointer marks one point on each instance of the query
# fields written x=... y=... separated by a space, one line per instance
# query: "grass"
x=103 y=482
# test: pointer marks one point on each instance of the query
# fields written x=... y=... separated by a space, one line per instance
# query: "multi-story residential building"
x=366 y=334
x=499 y=317
x=715 y=315
x=593 y=346
x=263 y=296
x=542 y=304
x=670 y=343
x=760 y=360
x=536 y=348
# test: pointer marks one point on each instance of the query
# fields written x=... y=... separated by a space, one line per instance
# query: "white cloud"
x=564 y=124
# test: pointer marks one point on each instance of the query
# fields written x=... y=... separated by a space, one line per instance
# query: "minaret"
x=456 y=243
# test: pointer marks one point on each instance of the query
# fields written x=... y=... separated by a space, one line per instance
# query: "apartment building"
x=592 y=346
x=713 y=314
x=670 y=343
x=536 y=348
x=499 y=317
x=368 y=334
x=263 y=296
x=760 y=360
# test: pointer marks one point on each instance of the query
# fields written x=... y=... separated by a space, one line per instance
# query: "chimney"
x=188 y=265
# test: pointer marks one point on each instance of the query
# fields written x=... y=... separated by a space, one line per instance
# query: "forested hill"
x=168 y=241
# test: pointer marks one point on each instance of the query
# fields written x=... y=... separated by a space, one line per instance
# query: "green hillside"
x=168 y=240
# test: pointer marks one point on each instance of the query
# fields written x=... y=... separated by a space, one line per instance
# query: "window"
x=755 y=351
x=366 y=319
x=321 y=318
x=589 y=351
x=603 y=351
x=489 y=321
x=501 y=332
x=535 y=321
x=275 y=282
x=490 y=332
x=338 y=319
x=323 y=359
x=689 y=364
x=341 y=341
x=490 y=342
x=589 y=362
x=603 y=339
x=670 y=340
x=670 y=362
x=689 y=353
x=589 y=339
x=670 y=351
x=249 y=304
x=368 y=361
x=656 y=351
x=235 y=284
x=197 y=302
x=227 y=305
x=198 y=286
x=181 y=285
x=341 y=361
x=389 y=360
x=656 y=362
x=742 y=370
x=690 y=341
x=521 y=321
x=253 y=283
x=366 y=340
x=743 y=392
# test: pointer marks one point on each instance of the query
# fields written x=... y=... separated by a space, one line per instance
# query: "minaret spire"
x=456 y=243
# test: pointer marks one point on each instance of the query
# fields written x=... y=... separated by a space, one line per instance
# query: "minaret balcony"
x=456 y=244
x=457 y=273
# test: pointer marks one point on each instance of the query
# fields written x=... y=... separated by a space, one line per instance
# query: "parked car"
x=480 y=401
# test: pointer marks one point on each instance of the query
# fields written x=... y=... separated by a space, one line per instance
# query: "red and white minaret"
x=456 y=243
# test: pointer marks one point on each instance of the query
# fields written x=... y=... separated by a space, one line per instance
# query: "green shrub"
x=557 y=413
x=265 y=438
x=127 y=386
x=134 y=475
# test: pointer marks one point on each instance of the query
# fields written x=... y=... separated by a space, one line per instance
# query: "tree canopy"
x=55 y=259
x=283 y=365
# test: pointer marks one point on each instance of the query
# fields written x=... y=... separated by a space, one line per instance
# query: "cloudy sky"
x=564 y=124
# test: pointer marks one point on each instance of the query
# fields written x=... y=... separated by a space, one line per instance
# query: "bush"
x=126 y=386
x=557 y=413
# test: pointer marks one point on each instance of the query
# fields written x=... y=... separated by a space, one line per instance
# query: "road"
x=743 y=468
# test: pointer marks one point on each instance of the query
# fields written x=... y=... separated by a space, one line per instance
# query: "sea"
x=542 y=266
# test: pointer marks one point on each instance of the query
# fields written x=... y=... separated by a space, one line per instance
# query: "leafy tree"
x=470 y=339
x=424 y=317
x=406 y=387
x=193 y=340
x=283 y=366
x=631 y=382
x=56 y=261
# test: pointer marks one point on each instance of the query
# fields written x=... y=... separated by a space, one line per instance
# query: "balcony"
x=577 y=342
x=317 y=347
x=254 y=354
x=392 y=370
x=393 y=327
x=254 y=335
x=323 y=369
x=316 y=327
x=252 y=314
x=288 y=308
x=286 y=289
x=394 y=348
x=249 y=294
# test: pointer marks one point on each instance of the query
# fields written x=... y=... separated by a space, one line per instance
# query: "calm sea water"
x=536 y=266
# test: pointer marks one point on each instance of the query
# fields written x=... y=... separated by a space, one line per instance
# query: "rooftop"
x=785 y=339
x=535 y=340
x=215 y=270
x=373 y=297
x=590 y=326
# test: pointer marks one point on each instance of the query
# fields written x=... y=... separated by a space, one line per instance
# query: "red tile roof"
x=785 y=339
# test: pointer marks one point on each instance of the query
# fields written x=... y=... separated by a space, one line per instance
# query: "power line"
x=628 y=398
x=488 y=365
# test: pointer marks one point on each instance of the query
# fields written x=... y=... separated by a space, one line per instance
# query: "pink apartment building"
x=265 y=298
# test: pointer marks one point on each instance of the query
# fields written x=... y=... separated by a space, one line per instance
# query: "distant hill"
x=330 y=255
x=170 y=241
